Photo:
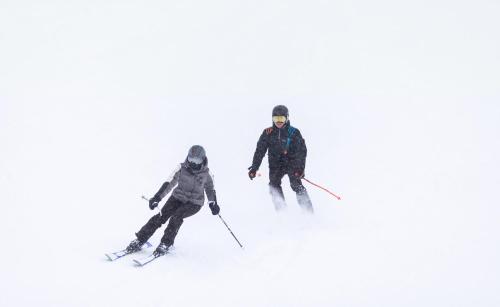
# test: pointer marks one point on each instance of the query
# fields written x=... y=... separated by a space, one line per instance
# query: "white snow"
x=398 y=102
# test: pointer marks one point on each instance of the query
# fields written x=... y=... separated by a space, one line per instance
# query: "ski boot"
x=161 y=250
x=134 y=246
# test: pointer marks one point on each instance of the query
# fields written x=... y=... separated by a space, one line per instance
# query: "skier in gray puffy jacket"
x=193 y=180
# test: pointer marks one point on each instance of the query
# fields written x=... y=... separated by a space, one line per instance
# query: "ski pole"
x=230 y=230
x=326 y=190
x=158 y=207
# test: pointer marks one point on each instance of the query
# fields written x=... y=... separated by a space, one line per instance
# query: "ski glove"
x=252 y=173
x=299 y=174
x=214 y=207
x=153 y=203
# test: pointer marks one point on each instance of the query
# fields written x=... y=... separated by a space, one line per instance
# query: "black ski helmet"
x=196 y=157
x=280 y=110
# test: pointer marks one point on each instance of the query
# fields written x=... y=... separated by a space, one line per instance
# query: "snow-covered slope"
x=100 y=100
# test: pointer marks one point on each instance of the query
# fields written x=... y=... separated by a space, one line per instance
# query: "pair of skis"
x=139 y=262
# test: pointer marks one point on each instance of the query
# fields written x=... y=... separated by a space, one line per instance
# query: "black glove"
x=252 y=172
x=214 y=207
x=153 y=203
x=299 y=173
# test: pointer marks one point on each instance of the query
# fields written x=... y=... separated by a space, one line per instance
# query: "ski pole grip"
x=158 y=207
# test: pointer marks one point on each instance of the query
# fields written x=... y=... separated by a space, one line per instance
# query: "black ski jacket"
x=286 y=149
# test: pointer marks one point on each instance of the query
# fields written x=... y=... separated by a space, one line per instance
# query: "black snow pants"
x=174 y=210
x=275 y=176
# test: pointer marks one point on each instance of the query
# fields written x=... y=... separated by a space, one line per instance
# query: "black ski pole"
x=230 y=230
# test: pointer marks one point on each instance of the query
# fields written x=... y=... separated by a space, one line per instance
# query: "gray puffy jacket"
x=191 y=185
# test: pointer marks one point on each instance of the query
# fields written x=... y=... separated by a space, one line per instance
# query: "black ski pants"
x=174 y=210
x=276 y=174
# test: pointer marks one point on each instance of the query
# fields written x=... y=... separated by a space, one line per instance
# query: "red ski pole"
x=326 y=190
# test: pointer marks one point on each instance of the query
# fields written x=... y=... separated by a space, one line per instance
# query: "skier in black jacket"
x=287 y=153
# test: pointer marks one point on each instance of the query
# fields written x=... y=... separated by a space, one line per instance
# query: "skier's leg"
x=157 y=220
x=277 y=196
x=301 y=192
x=176 y=220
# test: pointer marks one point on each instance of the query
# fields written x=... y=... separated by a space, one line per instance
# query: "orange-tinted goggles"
x=279 y=119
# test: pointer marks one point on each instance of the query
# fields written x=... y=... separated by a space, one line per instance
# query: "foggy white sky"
x=398 y=102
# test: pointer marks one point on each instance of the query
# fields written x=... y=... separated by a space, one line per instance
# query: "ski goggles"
x=195 y=160
x=279 y=119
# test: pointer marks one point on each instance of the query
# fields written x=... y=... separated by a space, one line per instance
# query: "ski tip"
x=137 y=262
x=109 y=257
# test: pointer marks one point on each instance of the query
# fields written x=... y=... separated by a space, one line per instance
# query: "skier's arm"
x=212 y=197
x=209 y=189
x=168 y=185
x=300 y=163
x=260 y=151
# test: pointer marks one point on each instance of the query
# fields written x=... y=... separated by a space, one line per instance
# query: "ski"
x=144 y=261
x=117 y=255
